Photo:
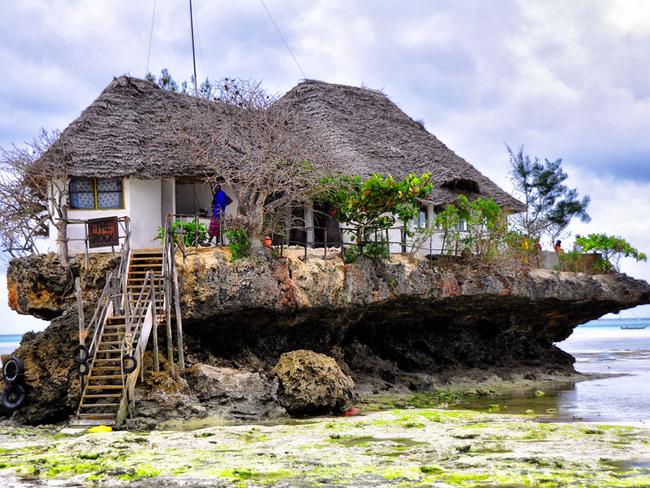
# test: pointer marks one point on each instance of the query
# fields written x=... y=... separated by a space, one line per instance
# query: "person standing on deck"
x=220 y=201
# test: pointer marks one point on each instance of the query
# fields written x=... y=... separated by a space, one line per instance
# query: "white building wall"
x=142 y=204
x=145 y=198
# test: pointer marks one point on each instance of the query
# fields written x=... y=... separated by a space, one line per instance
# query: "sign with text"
x=103 y=232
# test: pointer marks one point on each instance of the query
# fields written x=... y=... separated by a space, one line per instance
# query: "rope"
x=153 y=17
x=286 y=44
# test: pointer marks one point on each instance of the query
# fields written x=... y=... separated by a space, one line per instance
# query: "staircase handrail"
x=101 y=312
x=143 y=300
x=108 y=292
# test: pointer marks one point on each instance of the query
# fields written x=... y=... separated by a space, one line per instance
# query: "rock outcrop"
x=312 y=384
x=407 y=323
x=42 y=287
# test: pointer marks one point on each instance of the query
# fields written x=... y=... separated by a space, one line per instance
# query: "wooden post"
x=179 y=318
x=309 y=225
x=154 y=316
x=80 y=311
x=62 y=229
x=168 y=322
x=86 y=246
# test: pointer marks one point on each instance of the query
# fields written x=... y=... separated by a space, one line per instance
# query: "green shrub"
x=239 y=243
x=612 y=248
x=569 y=261
x=194 y=233
x=377 y=249
x=350 y=254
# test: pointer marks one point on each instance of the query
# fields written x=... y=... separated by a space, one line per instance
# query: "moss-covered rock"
x=312 y=383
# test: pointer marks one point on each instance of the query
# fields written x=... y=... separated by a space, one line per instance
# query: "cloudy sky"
x=566 y=79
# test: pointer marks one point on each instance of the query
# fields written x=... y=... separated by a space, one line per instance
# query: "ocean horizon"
x=9 y=343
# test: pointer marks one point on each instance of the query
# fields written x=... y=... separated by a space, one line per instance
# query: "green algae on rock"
x=401 y=447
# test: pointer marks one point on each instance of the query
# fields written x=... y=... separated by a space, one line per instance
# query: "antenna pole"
x=196 y=90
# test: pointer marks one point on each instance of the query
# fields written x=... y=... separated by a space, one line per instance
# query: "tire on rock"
x=129 y=363
x=13 y=397
x=13 y=369
x=80 y=354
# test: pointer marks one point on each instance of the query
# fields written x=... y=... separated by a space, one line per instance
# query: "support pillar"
x=309 y=225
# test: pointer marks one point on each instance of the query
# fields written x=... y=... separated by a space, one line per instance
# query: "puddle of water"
x=355 y=441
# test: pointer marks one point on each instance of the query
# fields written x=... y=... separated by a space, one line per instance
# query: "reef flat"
x=401 y=447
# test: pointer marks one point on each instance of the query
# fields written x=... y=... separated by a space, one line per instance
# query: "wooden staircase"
x=107 y=393
x=142 y=261
x=102 y=395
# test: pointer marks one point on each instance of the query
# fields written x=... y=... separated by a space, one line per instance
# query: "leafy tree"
x=167 y=82
x=612 y=248
x=550 y=204
x=478 y=226
x=374 y=204
x=32 y=196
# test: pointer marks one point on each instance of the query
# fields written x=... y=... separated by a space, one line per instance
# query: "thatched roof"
x=371 y=133
x=119 y=134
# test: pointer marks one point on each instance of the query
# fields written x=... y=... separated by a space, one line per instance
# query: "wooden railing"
x=112 y=293
x=171 y=289
x=141 y=322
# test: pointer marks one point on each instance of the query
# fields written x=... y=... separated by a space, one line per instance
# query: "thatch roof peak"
x=119 y=135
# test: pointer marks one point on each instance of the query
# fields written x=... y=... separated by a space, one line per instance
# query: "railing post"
x=156 y=363
x=177 y=308
x=196 y=231
x=80 y=311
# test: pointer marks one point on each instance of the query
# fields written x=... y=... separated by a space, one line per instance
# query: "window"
x=95 y=193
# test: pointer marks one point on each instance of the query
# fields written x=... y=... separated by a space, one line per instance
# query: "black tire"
x=13 y=369
x=129 y=363
x=80 y=354
x=13 y=397
x=82 y=369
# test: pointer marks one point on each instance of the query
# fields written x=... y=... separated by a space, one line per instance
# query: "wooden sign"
x=103 y=232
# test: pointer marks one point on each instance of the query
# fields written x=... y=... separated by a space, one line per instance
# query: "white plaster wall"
x=77 y=231
x=145 y=198
x=167 y=197
x=142 y=203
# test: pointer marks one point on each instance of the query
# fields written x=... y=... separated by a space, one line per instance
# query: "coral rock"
x=312 y=383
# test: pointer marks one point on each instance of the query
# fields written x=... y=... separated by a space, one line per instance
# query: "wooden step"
x=97 y=416
x=102 y=395
x=99 y=405
x=106 y=368
x=88 y=422
x=103 y=387
x=105 y=377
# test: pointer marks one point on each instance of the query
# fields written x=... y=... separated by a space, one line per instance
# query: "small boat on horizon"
x=633 y=327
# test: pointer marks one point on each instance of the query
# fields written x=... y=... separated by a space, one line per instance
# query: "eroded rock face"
x=38 y=286
x=51 y=381
x=235 y=393
x=41 y=286
x=312 y=383
x=401 y=324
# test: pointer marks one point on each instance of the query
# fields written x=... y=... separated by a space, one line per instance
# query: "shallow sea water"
x=621 y=395
x=602 y=346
